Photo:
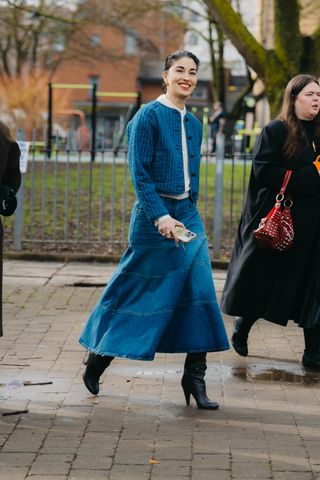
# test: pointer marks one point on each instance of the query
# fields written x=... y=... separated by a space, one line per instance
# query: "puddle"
x=266 y=374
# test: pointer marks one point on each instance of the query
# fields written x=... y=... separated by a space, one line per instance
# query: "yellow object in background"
x=316 y=163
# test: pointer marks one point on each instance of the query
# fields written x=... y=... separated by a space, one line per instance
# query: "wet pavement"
x=139 y=427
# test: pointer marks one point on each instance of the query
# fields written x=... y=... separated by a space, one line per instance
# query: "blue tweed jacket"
x=155 y=155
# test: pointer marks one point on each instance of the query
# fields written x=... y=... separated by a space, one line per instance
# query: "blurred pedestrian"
x=161 y=297
x=217 y=122
x=10 y=178
x=274 y=286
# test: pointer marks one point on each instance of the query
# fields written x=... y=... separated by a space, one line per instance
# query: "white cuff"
x=164 y=217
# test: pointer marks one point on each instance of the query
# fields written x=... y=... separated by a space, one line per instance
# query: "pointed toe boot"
x=193 y=382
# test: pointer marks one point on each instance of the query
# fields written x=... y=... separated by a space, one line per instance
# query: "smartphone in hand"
x=183 y=234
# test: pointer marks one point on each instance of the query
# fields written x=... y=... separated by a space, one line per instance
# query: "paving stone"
x=266 y=427
x=290 y=475
x=168 y=468
x=251 y=470
x=134 y=452
x=13 y=473
x=88 y=474
x=51 y=464
x=16 y=459
x=48 y=477
x=213 y=461
x=132 y=472
x=92 y=462
x=211 y=474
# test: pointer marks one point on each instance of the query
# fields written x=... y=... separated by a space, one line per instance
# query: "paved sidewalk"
x=139 y=427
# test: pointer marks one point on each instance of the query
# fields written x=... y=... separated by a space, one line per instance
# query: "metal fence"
x=68 y=202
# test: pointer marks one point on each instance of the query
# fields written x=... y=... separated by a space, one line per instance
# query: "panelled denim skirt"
x=161 y=298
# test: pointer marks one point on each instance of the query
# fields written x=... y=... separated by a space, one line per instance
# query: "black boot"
x=311 y=356
x=311 y=362
x=193 y=381
x=96 y=365
x=241 y=329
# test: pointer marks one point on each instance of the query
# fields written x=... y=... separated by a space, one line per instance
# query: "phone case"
x=184 y=234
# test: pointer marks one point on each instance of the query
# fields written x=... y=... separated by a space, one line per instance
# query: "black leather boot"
x=311 y=362
x=241 y=329
x=193 y=382
x=311 y=356
x=96 y=365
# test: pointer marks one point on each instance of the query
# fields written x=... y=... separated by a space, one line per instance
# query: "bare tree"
x=37 y=36
x=293 y=51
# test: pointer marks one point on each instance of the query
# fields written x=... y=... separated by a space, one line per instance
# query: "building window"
x=193 y=39
x=58 y=43
x=95 y=40
x=130 y=45
x=195 y=17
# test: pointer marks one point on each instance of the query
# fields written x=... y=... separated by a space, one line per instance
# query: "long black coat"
x=9 y=175
x=262 y=284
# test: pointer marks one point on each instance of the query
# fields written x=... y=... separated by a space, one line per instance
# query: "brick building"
x=122 y=63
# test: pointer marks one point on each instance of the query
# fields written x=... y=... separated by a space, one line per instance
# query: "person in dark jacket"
x=260 y=283
x=217 y=123
x=161 y=297
x=10 y=177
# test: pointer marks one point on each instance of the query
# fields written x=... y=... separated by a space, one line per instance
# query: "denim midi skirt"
x=161 y=298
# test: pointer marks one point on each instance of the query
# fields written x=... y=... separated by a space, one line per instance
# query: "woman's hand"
x=166 y=228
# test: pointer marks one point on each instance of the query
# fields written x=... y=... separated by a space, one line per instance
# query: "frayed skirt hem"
x=150 y=358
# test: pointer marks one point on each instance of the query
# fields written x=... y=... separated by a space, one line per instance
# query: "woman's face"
x=307 y=104
x=181 y=78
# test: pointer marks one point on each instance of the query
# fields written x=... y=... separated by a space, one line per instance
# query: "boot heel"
x=85 y=358
x=187 y=395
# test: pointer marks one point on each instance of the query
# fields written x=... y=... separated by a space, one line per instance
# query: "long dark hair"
x=173 y=57
x=296 y=139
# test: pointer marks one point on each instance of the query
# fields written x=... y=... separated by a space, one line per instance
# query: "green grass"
x=59 y=208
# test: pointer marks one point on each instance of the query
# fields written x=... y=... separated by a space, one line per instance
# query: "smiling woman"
x=162 y=297
x=180 y=79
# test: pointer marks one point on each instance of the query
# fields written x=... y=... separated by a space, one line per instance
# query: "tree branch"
x=232 y=25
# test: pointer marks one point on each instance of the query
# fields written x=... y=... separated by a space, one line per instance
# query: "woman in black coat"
x=9 y=177
x=273 y=286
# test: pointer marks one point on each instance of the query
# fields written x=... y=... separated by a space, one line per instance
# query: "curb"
x=81 y=257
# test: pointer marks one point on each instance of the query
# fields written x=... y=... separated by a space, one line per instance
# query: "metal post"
x=218 y=197
x=18 y=215
x=49 y=126
x=93 y=120
x=131 y=112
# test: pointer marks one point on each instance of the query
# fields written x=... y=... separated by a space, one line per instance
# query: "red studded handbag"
x=275 y=231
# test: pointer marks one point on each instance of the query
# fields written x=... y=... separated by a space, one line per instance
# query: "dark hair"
x=296 y=139
x=173 y=57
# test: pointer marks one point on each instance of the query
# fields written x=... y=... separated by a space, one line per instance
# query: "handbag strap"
x=285 y=182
